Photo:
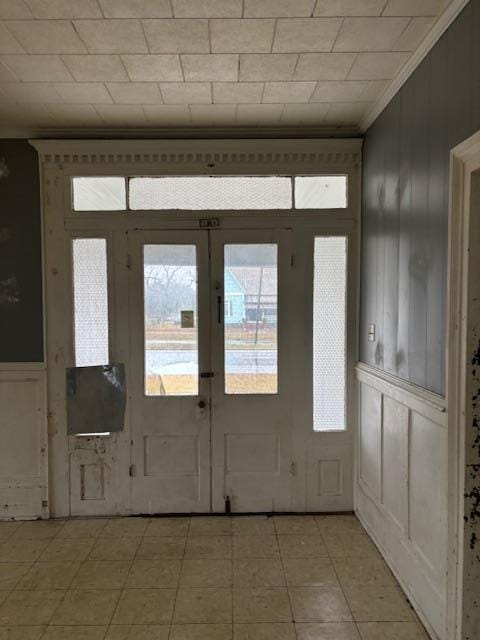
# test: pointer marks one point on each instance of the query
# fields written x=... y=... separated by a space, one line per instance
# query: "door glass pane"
x=321 y=192
x=329 y=327
x=90 y=301
x=250 y=314
x=207 y=192
x=171 y=322
x=99 y=194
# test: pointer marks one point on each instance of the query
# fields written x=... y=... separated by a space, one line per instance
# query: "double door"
x=211 y=322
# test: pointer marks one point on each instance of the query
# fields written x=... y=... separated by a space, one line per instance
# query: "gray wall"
x=405 y=206
x=21 y=325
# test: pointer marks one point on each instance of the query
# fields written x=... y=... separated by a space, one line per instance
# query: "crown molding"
x=432 y=37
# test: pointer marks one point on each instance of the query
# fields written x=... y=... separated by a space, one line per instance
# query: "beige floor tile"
x=300 y=525
x=21 y=633
x=378 y=604
x=100 y=574
x=86 y=607
x=82 y=529
x=60 y=550
x=255 y=547
x=29 y=607
x=264 y=631
x=210 y=526
x=167 y=527
x=339 y=524
x=319 y=604
x=39 y=530
x=145 y=606
x=258 y=572
x=12 y=572
x=253 y=526
x=154 y=574
x=261 y=605
x=206 y=572
x=201 y=632
x=209 y=547
x=162 y=547
x=75 y=633
x=310 y=572
x=203 y=605
x=392 y=631
x=328 y=631
x=138 y=632
x=7 y=529
x=349 y=545
x=21 y=550
x=300 y=546
x=114 y=548
x=125 y=528
x=49 y=575
x=363 y=571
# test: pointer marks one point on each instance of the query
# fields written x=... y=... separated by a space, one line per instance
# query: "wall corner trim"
x=435 y=33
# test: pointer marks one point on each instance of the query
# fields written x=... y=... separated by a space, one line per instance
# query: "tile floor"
x=199 y=578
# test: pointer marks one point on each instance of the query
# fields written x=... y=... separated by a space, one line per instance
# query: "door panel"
x=169 y=346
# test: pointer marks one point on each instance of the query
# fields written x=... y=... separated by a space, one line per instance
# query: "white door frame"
x=464 y=161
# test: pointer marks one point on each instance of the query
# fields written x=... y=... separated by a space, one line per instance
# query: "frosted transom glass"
x=90 y=300
x=99 y=194
x=206 y=192
x=329 y=329
x=321 y=192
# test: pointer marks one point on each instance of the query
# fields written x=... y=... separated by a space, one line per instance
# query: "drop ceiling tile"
x=374 y=89
x=14 y=10
x=214 y=115
x=278 y=8
x=237 y=92
x=242 y=36
x=151 y=68
x=6 y=75
x=8 y=43
x=186 y=92
x=257 y=115
x=96 y=68
x=30 y=116
x=166 y=115
x=210 y=68
x=413 y=34
x=83 y=92
x=136 y=8
x=413 y=7
x=121 y=115
x=112 y=36
x=177 y=36
x=369 y=34
x=47 y=36
x=304 y=114
x=324 y=66
x=377 y=66
x=350 y=91
x=31 y=92
x=349 y=7
x=74 y=114
x=271 y=67
x=288 y=92
x=341 y=114
x=306 y=34
x=207 y=8
x=57 y=9
x=135 y=92
x=37 y=68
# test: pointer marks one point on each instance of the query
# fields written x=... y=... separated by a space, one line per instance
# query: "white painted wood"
x=23 y=434
x=401 y=490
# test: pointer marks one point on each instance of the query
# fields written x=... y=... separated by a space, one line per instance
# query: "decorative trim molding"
x=432 y=37
x=212 y=155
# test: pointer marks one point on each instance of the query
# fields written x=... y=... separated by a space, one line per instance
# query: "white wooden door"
x=169 y=333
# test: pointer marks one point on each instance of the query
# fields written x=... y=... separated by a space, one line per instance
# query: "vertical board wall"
x=405 y=206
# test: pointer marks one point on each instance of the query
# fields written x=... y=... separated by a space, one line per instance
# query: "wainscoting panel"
x=401 y=488
x=23 y=442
